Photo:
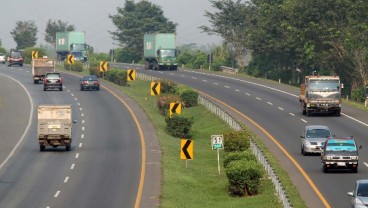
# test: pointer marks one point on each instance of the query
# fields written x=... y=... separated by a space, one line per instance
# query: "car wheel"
x=44 y=88
x=309 y=113
x=61 y=88
x=354 y=170
x=305 y=153
x=98 y=88
x=67 y=147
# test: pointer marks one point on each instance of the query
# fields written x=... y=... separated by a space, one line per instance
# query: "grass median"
x=197 y=183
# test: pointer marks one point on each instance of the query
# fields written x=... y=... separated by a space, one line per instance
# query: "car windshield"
x=362 y=190
x=92 y=78
x=318 y=133
x=16 y=54
x=53 y=76
x=341 y=145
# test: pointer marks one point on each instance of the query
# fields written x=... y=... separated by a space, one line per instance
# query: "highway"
x=106 y=164
x=275 y=108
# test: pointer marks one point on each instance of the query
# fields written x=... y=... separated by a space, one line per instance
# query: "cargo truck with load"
x=41 y=66
x=321 y=94
x=160 y=51
x=55 y=126
x=72 y=43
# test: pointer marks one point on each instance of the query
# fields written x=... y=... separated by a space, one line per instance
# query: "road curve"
x=104 y=168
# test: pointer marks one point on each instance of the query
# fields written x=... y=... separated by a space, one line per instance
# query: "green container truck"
x=71 y=43
x=160 y=51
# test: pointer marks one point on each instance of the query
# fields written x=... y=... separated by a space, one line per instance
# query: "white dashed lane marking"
x=258 y=98
x=304 y=120
x=57 y=194
x=280 y=108
x=247 y=94
x=226 y=86
x=82 y=136
x=269 y=103
x=77 y=155
x=66 y=179
x=80 y=145
x=292 y=114
x=72 y=167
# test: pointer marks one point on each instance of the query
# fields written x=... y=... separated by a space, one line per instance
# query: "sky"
x=91 y=16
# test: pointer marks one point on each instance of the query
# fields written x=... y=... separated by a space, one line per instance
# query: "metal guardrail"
x=234 y=124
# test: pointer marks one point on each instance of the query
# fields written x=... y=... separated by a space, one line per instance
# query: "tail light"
x=84 y=82
x=96 y=82
x=46 y=80
x=61 y=80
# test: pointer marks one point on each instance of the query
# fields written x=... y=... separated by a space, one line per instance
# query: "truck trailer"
x=55 y=126
x=160 y=51
x=41 y=66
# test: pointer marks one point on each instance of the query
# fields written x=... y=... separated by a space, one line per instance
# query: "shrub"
x=94 y=68
x=244 y=177
x=117 y=76
x=168 y=87
x=77 y=66
x=179 y=125
x=233 y=156
x=236 y=140
x=163 y=102
x=189 y=97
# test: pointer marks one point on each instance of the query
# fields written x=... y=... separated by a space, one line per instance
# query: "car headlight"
x=328 y=157
x=354 y=157
x=307 y=142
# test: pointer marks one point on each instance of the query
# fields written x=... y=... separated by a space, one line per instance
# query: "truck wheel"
x=304 y=112
x=354 y=170
x=67 y=147
x=44 y=88
x=309 y=113
x=61 y=88
x=35 y=81
x=42 y=148
x=337 y=113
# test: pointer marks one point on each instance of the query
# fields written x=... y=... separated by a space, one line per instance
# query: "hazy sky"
x=91 y=16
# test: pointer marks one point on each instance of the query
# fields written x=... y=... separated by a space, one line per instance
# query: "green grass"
x=196 y=183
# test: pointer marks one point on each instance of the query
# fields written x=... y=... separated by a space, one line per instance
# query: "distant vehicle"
x=41 y=66
x=71 y=43
x=321 y=94
x=313 y=137
x=53 y=80
x=160 y=51
x=15 y=58
x=359 y=194
x=340 y=153
x=90 y=82
x=2 y=58
x=55 y=126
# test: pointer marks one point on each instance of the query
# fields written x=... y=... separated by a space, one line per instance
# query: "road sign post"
x=217 y=144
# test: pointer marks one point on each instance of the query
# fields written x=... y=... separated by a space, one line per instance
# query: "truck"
x=55 y=126
x=41 y=66
x=160 y=51
x=321 y=94
x=71 y=43
x=340 y=153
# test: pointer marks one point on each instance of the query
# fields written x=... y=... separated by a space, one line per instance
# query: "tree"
x=136 y=19
x=53 y=27
x=230 y=23
x=25 y=34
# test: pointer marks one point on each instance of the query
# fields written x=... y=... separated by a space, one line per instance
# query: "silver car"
x=312 y=139
x=359 y=194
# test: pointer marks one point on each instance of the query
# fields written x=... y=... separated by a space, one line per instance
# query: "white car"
x=2 y=58
x=359 y=195
x=312 y=139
